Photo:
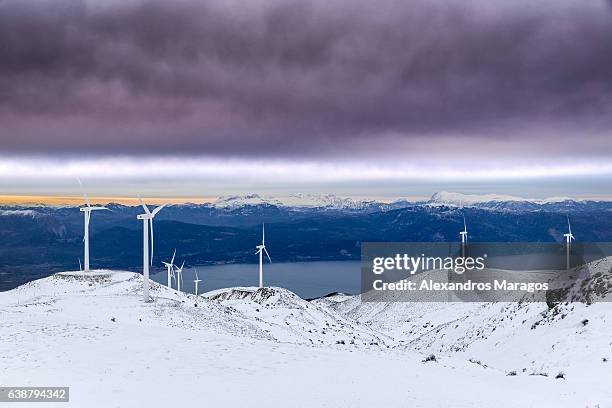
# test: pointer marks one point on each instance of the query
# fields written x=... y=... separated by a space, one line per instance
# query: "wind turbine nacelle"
x=84 y=209
x=143 y=216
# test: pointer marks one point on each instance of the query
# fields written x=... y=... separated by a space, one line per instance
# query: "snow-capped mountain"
x=19 y=213
x=460 y=199
x=440 y=199
x=328 y=201
x=512 y=203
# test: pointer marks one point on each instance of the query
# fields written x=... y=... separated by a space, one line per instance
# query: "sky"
x=390 y=98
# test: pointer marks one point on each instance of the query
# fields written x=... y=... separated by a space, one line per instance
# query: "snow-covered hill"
x=254 y=347
x=525 y=338
x=273 y=314
x=289 y=317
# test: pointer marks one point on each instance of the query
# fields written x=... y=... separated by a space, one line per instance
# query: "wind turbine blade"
x=173 y=255
x=197 y=275
x=144 y=205
x=464 y=224
x=158 y=209
x=267 y=254
x=569 y=226
x=182 y=265
x=83 y=192
x=80 y=266
x=263 y=234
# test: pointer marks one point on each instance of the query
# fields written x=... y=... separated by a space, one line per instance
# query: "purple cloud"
x=313 y=78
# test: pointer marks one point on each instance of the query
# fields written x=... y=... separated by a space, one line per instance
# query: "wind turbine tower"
x=147 y=220
x=463 y=235
x=196 y=281
x=569 y=237
x=170 y=267
x=260 y=250
x=87 y=216
x=179 y=276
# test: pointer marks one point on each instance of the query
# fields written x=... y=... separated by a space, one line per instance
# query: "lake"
x=306 y=279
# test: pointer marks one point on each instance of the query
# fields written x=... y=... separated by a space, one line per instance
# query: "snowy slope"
x=239 y=347
x=529 y=338
x=275 y=314
x=289 y=316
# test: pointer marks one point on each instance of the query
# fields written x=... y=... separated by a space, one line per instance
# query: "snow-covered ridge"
x=335 y=202
x=270 y=314
x=18 y=213
x=328 y=201
x=460 y=199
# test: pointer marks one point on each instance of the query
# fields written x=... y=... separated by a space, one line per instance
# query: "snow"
x=328 y=201
x=528 y=338
x=19 y=213
x=459 y=199
x=254 y=347
x=346 y=203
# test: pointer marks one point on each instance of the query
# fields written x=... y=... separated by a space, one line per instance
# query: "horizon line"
x=52 y=200
x=35 y=199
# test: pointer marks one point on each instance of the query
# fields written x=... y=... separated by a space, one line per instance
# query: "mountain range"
x=38 y=240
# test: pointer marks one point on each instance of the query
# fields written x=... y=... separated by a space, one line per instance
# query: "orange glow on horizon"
x=58 y=200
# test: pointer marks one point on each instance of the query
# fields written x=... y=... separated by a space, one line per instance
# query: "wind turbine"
x=196 y=281
x=569 y=237
x=463 y=234
x=179 y=277
x=170 y=267
x=260 y=250
x=87 y=215
x=80 y=266
x=147 y=219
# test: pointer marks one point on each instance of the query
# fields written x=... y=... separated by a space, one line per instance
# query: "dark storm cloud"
x=312 y=77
